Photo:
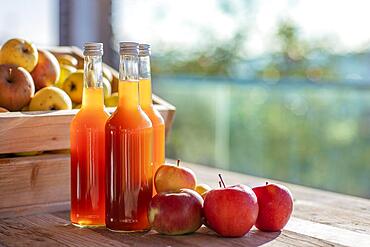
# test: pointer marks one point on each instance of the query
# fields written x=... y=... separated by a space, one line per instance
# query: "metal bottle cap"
x=128 y=48
x=144 y=50
x=93 y=49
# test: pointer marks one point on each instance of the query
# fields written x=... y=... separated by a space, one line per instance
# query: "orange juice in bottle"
x=129 y=140
x=87 y=146
x=146 y=103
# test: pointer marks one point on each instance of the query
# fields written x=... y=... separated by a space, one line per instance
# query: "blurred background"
x=278 y=89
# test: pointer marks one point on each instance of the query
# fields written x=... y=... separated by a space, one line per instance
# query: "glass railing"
x=316 y=135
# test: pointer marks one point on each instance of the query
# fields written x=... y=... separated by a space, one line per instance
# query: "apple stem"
x=219 y=183
x=178 y=162
x=222 y=181
x=267 y=183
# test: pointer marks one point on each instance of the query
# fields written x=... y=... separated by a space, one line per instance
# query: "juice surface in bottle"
x=146 y=103
x=129 y=137
x=87 y=146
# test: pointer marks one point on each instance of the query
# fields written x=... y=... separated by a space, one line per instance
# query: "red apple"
x=170 y=178
x=176 y=213
x=47 y=70
x=16 y=87
x=231 y=211
x=276 y=205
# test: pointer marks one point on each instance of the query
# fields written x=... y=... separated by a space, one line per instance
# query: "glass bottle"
x=146 y=103
x=129 y=137
x=87 y=145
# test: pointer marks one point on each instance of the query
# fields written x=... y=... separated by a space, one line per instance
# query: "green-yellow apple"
x=19 y=52
x=73 y=86
x=47 y=71
x=170 y=178
x=66 y=59
x=111 y=101
x=107 y=73
x=50 y=98
x=202 y=189
x=231 y=211
x=107 y=88
x=16 y=87
x=65 y=71
x=176 y=213
x=275 y=207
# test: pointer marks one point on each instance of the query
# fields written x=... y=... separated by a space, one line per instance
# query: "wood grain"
x=347 y=212
x=43 y=131
x=33 y=180
x=47 y=230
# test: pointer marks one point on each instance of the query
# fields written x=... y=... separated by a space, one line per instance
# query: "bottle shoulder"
x=154 y=116
x=129 y=119
x=90 y=117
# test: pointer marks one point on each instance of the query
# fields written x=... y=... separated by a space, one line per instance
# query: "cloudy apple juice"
x=129 y=136
x=87 y=146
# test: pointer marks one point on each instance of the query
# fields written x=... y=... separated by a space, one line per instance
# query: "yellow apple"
x=107 y=73
x=65 y=71
x=50 y=98
x=107 y=88
x=111 y=101
x=67 y=59
x=73 y=86
x=47 y=71
x=77 y=106
x=202 y=188
x=19 y=52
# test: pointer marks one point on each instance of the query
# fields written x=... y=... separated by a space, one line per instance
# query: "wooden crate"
x=41 y=182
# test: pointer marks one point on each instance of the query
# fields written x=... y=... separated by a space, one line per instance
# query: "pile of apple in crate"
x=182 y=206
x=33 y=79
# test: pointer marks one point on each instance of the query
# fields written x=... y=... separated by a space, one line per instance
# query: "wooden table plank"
x=343 y=211
x=48 y=230
x=55 y=230
x=320 y=218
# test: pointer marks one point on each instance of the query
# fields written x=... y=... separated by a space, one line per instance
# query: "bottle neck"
x=93 y=94
x=145 y=84
x=128 y=89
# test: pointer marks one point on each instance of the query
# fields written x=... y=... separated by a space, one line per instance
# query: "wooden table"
x=319 y=219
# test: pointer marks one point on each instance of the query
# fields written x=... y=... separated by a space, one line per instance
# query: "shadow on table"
x=203 y=237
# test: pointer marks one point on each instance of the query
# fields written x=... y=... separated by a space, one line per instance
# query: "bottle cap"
x=93 y=49
x=128 y=48
x=144 y=50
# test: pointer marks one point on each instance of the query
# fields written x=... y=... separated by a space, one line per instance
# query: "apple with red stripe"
x=231 y=211
x=275 y=206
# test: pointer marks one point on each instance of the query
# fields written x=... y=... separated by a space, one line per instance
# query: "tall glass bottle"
x=146 y=103
x=129 y=137
x=87 y=145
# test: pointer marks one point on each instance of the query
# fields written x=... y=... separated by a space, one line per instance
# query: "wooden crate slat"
x=33 y=180
x=43 y=131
